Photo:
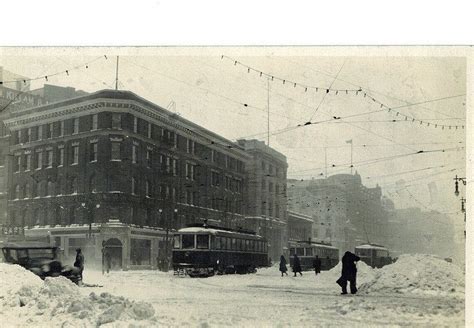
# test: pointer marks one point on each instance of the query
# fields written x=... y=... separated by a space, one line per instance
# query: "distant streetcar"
x=374 y=255
x=307 y=251
x=206 y=250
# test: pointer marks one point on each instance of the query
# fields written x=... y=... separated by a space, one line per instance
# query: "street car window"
x=22 y=253
x=12 y=255
x=176 y=241
x=247 y=245
x=309 y=251
x=187 y=241
x=300 y=251
x=218 y=243
x=202 y=241
x=234 y=244
x=292 y=251
x=382 y=253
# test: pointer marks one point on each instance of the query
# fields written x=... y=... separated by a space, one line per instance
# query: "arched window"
x=72 y=215
x=74 y=189
x=23 y=218
x=50 y=189
x=134 y=186
x=57 y=215
x=26 y=193
x=148 y=188
x=12 y=217
x=44 y=217
x=34 y=189
x=36 y=217
x=92 y=184
x=16 y=193
x=59 y=184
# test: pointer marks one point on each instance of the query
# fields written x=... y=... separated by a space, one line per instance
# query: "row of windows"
x=38 y=159
x=97 y=121
x=268 y=209
x=218 y=243
x=78 y=214
x=49 y=188
x=54 y=129
x=313 y=251
x=273 y=188
x=272 y=170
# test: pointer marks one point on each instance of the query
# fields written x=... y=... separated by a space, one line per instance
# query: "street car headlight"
x=45 y=267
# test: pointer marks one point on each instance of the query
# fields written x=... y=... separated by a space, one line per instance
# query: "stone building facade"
x=266 y=194
x=113 y=155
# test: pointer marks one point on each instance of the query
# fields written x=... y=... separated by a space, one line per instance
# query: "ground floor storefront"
x=113 y=244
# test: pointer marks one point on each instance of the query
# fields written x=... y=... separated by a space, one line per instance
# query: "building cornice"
x=127 y=102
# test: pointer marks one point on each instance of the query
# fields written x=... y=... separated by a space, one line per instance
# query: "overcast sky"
x=211 y=91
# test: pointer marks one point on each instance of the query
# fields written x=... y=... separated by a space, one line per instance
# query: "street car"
x=374 y=255
x=39 y=258
x=203 y=250
x=307 y=251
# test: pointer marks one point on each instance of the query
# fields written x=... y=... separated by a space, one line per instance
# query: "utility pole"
x=326 y=161
x=116 y=74
x=352 y=148
x=268 y=107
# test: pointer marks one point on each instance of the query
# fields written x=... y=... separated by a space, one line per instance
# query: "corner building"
x=113 y=169
x=266 y=196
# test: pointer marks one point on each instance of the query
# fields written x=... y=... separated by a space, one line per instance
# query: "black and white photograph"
x=233 y=186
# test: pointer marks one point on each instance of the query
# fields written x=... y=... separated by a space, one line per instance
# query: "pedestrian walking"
x=108 y=261
x=317 y=265
x=283 y=268
x=296 y=265
x=79 y=263
x=349 y=272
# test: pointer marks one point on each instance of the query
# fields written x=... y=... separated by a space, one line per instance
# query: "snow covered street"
x=261 y=299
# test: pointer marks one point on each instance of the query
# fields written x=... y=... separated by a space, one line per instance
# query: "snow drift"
x=26 y=300
x=417 y=273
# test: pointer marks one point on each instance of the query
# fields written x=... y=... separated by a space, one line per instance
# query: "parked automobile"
x=39 y=258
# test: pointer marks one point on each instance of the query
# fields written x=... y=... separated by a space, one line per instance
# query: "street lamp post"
x=463 y=200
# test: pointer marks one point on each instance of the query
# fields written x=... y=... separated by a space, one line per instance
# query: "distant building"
x=424 y=232
x=53 y=93
x=345 y=212
x=14 y=81
x=300 y=227
x=266 y=194
x=113 y=167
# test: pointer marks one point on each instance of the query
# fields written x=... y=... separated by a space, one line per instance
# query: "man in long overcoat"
x=283 y=267
x=296 y=265
x=349 y=272
x=79 y=263
x=317 y=265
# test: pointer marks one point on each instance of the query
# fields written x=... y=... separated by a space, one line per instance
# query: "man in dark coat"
x=79 y=263
x=296 y=265
x=283 y=267
x=317 y=265
x=349 y=272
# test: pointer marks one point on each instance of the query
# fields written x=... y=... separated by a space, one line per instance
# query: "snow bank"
x=426 y=274
x=26 y=300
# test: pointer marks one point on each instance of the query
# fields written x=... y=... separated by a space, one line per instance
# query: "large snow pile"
x=418 y=273
x=26 y=300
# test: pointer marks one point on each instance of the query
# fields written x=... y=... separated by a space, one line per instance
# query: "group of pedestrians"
x=348 y=274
